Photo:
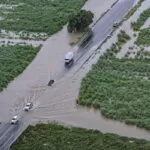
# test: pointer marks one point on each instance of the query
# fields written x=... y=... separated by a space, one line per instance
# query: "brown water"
x=58 y=102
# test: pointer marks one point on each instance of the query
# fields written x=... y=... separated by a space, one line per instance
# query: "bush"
x=80 y=21
x=141 y=20
x=123 y=37
x=144 y=37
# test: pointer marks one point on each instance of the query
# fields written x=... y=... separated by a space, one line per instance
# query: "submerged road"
x=101 y=30
x=8 y=133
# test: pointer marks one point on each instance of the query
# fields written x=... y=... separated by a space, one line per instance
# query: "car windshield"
x=28 y=104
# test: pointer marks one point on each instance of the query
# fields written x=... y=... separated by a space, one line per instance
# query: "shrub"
x=80 y=21
x=141 y=20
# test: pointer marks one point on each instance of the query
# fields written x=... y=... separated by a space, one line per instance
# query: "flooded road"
x=58 y=102
x=33 y=81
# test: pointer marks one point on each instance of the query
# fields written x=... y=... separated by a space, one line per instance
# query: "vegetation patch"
x=141 y=20
x=134 y=9
x=120 y=89
x=144 y=37
x=143 y=54
x=37 y=15
x=57 y=137
x=123 y=37
x=80 y=21
x=13 y=60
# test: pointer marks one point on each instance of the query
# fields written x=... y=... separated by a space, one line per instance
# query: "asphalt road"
x=8 y=133
x=101 y=30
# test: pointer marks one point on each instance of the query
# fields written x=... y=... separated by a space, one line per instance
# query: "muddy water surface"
x=58 y=102
x=47 y=64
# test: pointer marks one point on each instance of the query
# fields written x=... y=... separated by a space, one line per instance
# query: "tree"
x=80 y=21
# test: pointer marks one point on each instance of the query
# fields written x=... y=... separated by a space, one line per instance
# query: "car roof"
x=29 y=103
x=15 y=117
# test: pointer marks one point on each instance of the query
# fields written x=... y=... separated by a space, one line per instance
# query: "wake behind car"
x=14 y=120
x=28 y=106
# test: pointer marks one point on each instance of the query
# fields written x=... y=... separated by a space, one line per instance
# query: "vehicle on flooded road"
x=14 y=120
x=69 y=57
x=28 y=106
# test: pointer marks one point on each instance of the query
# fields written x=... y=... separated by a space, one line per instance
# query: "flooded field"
x=58 y=102
x=46 y=65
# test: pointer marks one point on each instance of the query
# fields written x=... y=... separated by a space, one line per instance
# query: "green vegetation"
x=37 y=15
x=13 y=60
x=80 y=21
x=141 y=20
x=144 y=37
x=57 y=137
x=115 y=48
x=142 y=54
x=120 y=89
x=134 y=9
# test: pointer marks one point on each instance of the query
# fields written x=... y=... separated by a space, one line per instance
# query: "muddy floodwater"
x=45 y=66
x=58 y=102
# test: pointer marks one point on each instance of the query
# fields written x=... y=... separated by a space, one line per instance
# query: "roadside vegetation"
x=57 y=137
x=123 y=37
x=120 y=89
x=36 y=15
x=143 y=54
x=144 y=37
x=79 y=21
x=13 y=60
x=134 y=9
x=141 y=20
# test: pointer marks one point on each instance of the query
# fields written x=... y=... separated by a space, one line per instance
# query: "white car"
x=14 y=120
x=68 y=57
x=116 y=24
x=28 y=106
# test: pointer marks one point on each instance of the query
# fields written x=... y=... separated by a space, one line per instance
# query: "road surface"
x=101 y=30
x=8 y=133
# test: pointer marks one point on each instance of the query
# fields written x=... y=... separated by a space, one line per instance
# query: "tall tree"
x=80 y=21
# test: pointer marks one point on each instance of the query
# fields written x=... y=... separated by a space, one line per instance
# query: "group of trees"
x=79 y=21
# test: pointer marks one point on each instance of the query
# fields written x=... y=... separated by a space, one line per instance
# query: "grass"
x=38 y=15
x=120 y=89
x=141 y=20
x=144 y=37
x=142 y=54
x=13 y=60
x=57 y=137
x=134 y=9
x=123 y=37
